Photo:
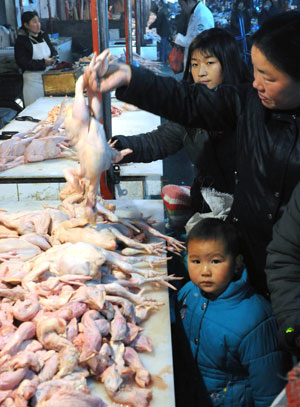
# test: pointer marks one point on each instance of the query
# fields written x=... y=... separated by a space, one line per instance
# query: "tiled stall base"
x=29 y=192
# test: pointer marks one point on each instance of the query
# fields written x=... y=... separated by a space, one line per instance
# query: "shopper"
x=33 y=53
x=162 y=26
x=283 y=274
x=200 y=19
x=240 y=12
x=268 y=10
x=213 y=59
x=226 y=351
x=264 y=116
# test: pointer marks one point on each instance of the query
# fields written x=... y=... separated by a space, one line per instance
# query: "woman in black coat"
x=263 y=119
x=33 y=53
x=283 y=273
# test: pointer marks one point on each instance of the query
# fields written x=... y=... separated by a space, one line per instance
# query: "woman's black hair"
x=27 y=16
x=222 y=45
x=217 y=229
x=279 y=40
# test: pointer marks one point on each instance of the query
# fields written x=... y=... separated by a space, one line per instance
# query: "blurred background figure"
x=268 y=10
x=240 y=12
x=33 y=53
x=200 y=19
x=162 y=26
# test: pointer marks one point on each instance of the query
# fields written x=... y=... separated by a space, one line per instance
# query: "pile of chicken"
x=70 y=288
x=46 y=140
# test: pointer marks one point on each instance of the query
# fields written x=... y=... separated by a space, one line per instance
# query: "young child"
x=225 y=335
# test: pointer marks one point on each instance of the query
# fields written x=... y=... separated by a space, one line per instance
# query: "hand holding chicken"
x=107 y=74
x=87 y=134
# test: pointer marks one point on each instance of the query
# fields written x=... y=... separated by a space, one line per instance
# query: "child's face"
x=210 y=267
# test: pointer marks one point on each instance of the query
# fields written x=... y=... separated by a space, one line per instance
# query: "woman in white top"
x=33 y=53
x=201 y=19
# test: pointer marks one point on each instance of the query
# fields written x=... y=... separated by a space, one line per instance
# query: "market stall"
x=157 y=328
x=42 y=180
x=34 y=189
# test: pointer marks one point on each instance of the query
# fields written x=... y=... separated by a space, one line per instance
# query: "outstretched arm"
x=107 y=74
x=190 y=105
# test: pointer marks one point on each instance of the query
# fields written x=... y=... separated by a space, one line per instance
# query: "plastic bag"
x=219 y=202
x=176 y=59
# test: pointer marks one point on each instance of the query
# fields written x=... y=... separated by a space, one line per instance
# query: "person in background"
x=268 y=10
x=225 y=343
x=162 y=26
x=200 y=19
x=283 y=274
x=213 y=58
x=33 y=53
x=240 y=11
x=264 y=120
x=110 y=10
x=285 y=5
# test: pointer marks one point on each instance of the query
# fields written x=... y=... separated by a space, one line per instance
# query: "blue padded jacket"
x=233 y=340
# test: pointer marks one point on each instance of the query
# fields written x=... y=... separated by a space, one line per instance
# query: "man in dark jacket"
x=265 y=118
x=162 y=26
x=283 y=273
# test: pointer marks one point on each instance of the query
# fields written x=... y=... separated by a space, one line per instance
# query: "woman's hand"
x=107 y=74
x=119 y=154
x=50 y=61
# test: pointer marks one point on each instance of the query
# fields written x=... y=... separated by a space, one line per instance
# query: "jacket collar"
x=23 y=32
x=283 y=115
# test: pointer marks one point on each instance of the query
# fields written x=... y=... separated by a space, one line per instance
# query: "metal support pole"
x=102 y=17
x=143 y=18
x=128 y=31
x=99 y=18
x=138 y=26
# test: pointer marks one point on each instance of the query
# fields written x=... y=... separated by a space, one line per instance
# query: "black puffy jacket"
x=210 y=152
x=267 y=149
x=283 y=273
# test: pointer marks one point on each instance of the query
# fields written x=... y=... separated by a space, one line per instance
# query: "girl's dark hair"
x=222 y=45
x=216 y=229
x=279 y=40
x=27 y=16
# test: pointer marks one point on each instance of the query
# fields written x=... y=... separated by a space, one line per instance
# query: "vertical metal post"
x=102 y=14
x=99 y=18
x=138 y=26
x=128 y=31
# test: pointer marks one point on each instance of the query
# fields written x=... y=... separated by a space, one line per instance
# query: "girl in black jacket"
x=33 y=53
x=213 y=59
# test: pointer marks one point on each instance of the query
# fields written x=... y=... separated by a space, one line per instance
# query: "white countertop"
x=157 y=328
x=129 y=123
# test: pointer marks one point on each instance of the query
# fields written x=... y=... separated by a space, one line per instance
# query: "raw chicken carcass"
x=79 y=258
x=63 y=398
x=18 y=249
x=87 y=134
x=73 y=231
x=45 y=148
x=142 y=376
x=27 y=221
x=49 y=332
